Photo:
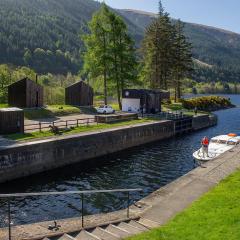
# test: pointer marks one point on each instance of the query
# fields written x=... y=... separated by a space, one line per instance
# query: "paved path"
x=33 y=125
x=62 y=118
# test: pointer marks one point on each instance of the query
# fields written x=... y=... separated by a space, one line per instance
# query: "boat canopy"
x=226 y=139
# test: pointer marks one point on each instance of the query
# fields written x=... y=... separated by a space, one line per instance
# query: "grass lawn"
x=178 y=107
x=215 y=216
x=3 y=105
x=36 y=135
x=55 y=110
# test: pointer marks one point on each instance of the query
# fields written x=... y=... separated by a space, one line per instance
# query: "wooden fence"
x=40 y=126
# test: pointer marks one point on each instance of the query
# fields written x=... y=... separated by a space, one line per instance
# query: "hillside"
x=210 y=45
x=45 y=35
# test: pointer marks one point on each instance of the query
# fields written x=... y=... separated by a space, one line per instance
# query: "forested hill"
x=45 y=35
x=211 y=45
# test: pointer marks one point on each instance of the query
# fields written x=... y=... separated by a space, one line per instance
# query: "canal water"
x=148 y=167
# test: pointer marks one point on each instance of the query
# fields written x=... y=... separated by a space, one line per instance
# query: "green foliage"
x=207 y=103
x=167 y=56
x=110 y=54
x=182 y=59
x=158 y=52
x=44 y=35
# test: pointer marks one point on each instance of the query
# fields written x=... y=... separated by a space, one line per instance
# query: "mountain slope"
x=45 y=35
x=210 y=45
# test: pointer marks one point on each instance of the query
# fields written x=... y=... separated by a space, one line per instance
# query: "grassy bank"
x=89 y=128
x=216 y=216
x=52 y=111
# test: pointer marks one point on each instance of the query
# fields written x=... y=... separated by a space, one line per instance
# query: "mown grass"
x=85 y=128
x=3 y=105
x=215 y=216
x=52 y=111
x=179 y=107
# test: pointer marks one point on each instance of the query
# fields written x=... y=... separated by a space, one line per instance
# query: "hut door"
x=37 y=102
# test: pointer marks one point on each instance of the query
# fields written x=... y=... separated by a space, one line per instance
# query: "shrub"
x=207 y=103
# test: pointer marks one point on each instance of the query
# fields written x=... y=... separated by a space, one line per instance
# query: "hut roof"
x=23 y=80
x=79 y=83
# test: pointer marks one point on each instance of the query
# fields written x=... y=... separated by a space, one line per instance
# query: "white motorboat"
x=217 y=146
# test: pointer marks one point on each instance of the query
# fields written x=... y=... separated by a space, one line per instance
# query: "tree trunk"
x=178 y=88
x=105 y=72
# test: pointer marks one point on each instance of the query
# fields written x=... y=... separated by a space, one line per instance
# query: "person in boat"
x=205 y=144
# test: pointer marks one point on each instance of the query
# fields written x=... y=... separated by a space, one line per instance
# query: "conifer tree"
x=158 y=50
x=183 y=62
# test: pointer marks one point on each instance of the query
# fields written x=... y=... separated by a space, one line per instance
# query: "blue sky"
x=218 y=13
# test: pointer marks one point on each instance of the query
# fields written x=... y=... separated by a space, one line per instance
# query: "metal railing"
x=40 y=126
x=173 y=115
x=10 y=197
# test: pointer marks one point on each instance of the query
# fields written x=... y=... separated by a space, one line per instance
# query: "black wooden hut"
x=79 y=94
x=25 y=94
x=11 y=120
x=135 y=100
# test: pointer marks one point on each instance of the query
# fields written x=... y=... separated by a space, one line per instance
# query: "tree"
x=27 y=57
x=157 y=49
x=110 y=52
x=122 y=52
x=182 y=59
x=96 y=57
x=5 y=80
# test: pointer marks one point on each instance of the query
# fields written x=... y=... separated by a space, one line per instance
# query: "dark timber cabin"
x=79 y=94
x=25 y=94
x=11 y=120
x=133 y=100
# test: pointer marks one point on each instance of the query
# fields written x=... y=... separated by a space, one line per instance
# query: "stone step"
x=148 y=223
x=86 y=235
x=133 y=230
x=66 y=237
x=118 y=231
x=105 y=234
x=138 y=225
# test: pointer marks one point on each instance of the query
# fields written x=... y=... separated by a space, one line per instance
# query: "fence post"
x=87 y=121
x=9 y=220
x=66 y=123
x=82 y=210
x=40 y=127
x=128 y=203
x=77 y=122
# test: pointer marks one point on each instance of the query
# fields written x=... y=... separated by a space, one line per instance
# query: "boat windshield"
x=219 y=141
x=232 y=143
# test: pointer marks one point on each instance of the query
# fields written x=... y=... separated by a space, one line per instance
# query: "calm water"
x=148 y=167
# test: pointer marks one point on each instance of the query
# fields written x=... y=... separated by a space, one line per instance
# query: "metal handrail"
x=9 y=197
x=67 y=193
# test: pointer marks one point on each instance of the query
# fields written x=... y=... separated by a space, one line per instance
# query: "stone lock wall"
x=203 y=121
x=26 y=159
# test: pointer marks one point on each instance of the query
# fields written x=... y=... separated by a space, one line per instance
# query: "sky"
x=217 y=13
